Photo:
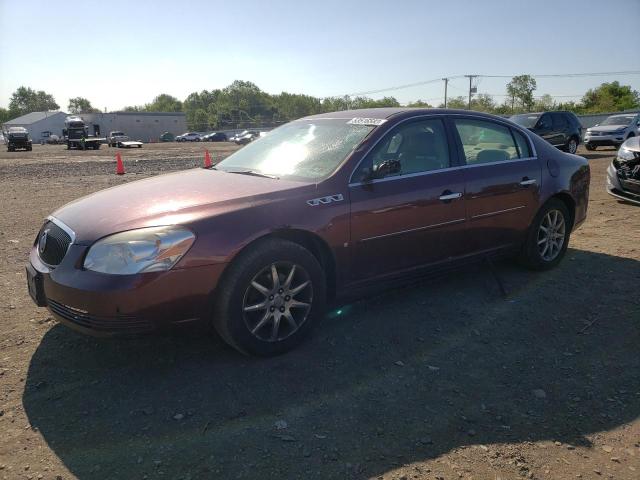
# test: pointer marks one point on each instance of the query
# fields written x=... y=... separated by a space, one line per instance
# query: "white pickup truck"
x=119 y=139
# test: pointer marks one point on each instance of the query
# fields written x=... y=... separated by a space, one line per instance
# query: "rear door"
x=502 y=182
x=560 y=129
x=412 y=212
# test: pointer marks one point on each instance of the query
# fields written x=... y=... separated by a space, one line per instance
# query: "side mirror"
x=386 y=168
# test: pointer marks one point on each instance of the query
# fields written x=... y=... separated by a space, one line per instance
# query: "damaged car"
x=623 y=174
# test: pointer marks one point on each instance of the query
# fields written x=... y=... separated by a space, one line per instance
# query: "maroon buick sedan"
x=322 y=206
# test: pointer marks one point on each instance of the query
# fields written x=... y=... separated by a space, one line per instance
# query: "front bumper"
x=616 y=189
x=107 y=305
x=604 y=140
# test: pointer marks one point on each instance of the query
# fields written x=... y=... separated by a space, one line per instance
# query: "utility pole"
x=446 y=83
x=471 y=89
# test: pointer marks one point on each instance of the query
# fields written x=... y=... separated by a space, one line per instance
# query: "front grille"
x=52 y=243
x=119 y=324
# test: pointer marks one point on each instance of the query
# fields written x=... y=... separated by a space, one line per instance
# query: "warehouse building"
x=143 y=126
x=39 y=124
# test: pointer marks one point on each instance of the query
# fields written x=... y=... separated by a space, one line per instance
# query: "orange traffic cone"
x=207 y=159
x=119 y=165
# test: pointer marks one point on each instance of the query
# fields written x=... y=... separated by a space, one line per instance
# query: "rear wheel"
x=572 y=145
x=548 y=236
x=589 y=147
x=270 y=298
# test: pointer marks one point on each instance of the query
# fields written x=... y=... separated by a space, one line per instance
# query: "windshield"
x=308 y=150
x=525 y=120
x=618 y=120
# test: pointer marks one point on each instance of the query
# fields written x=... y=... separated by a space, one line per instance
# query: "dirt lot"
x=444 y=379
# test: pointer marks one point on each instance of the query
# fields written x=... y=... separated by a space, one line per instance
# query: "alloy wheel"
x=277 y=301
x=573 y=146
x=551 y=234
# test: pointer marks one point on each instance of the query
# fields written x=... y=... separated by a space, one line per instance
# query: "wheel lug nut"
x=282 y=309
x=280 y=291
x=270 y=297
x=271 y=309
x=287 y=298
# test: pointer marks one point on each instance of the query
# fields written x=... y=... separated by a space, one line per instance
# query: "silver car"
x=613 y=131
x=623 y=175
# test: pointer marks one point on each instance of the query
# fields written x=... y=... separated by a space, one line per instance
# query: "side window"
x=485 y=142
x=523 y=144
x=545 y=122
x=559 y=122
x=415 y=147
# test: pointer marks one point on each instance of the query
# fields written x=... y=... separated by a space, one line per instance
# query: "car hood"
x=607 y=128
x=178 y=198
x=632 y=144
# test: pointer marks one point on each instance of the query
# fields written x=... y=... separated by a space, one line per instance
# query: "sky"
x=127 y=52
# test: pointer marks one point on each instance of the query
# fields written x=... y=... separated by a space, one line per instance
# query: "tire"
x=252 y=331
x=590 y=147
x=571 y=146
x=534 y=255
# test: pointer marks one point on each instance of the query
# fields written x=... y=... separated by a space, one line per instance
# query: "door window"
x=485 y=142
x=414 y=147
x=545 y=122
x=559 y=122
x=524 y=150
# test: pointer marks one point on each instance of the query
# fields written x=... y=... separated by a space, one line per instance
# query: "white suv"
x=188 y=137
x=613 y=131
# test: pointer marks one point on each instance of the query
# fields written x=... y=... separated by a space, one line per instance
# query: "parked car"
x=116 y=138
x=246 y=137
x=322 y=207
x=17 y=138
x=612 y=131
x=167 y=137
x=623 y=175
x=214 y=137
x=188 y=137
x=561 y=129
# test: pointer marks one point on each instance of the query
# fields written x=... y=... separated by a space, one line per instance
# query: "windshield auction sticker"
x=366 y=121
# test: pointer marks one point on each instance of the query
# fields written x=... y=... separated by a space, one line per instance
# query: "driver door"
x=407 y=202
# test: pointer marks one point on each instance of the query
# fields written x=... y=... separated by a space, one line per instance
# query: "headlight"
x=624 y=154
x=152 y=249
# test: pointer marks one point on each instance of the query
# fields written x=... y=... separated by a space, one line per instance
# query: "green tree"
x=456 y=102
x=81 y=105
x=419 y=104
x=5 y=116
x=164 y=103
x=483 y=102
x=544 y=103
x=610 y=97
x=520 y=89
x=200 y=120
x=26 y=100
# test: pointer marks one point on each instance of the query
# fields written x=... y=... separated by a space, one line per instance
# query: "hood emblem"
x=314 y=202
x=42 y=241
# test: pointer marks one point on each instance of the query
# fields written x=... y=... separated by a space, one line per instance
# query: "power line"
x=453 y=77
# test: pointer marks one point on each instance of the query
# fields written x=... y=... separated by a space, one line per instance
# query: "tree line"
x=243 y=104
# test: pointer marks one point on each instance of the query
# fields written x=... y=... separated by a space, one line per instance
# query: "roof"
x=161 y=114
x=32 y=117
x=388 y=112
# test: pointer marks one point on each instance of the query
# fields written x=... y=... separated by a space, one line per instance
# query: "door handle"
x=447 y=195
x=526 y=181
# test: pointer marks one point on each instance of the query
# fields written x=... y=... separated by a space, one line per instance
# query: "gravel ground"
x=443 y=379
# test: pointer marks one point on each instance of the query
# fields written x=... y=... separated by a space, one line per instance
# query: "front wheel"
x=270 y=298
x=548 y=236
x=590 y=147
x=572 y=145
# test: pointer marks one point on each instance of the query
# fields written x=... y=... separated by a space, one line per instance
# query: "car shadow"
x=389 y=380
